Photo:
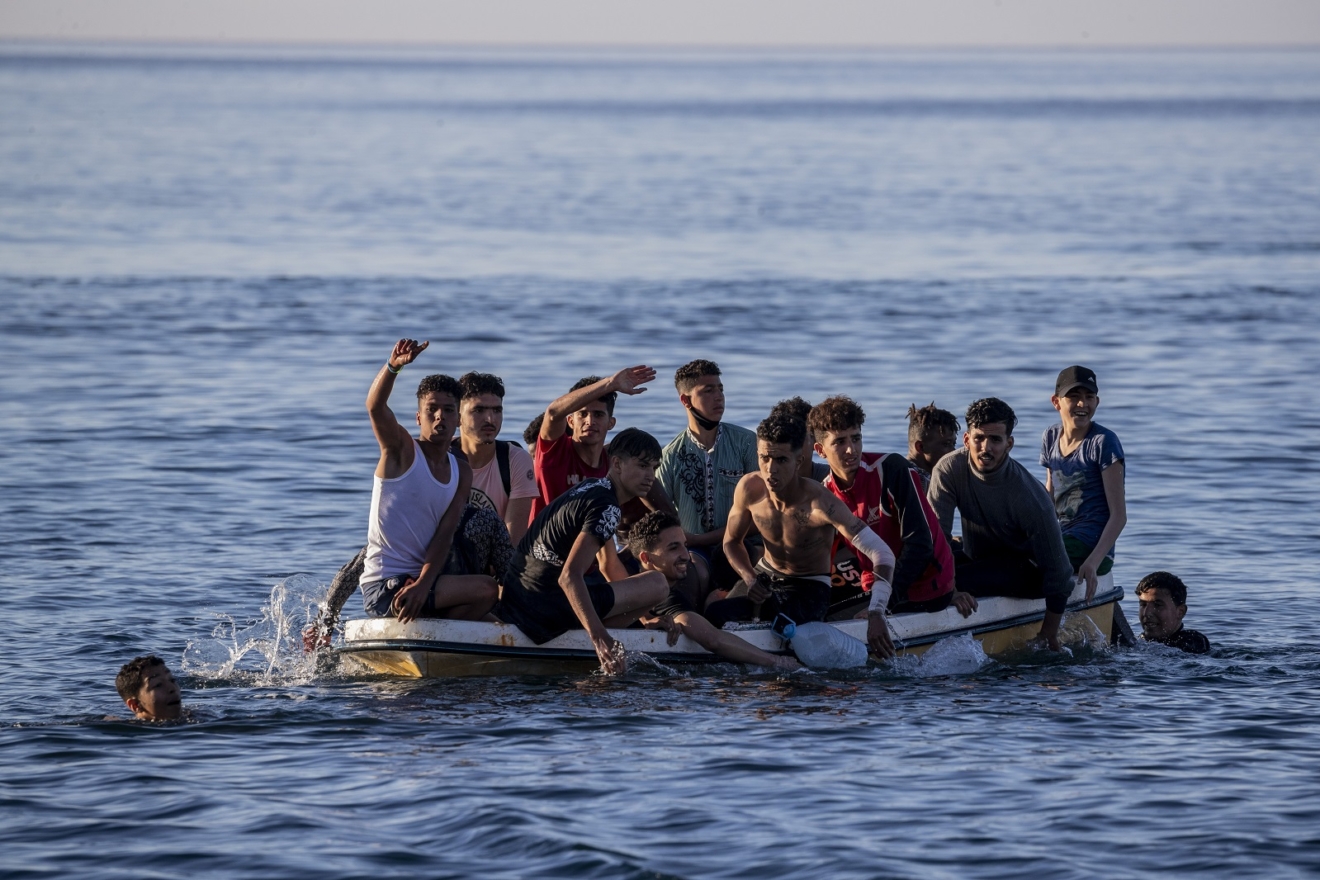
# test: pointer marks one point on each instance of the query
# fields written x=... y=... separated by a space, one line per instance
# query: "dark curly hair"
x=988 y=411
x=780 y=427
x=634 y=443
x=1163 y=580
x=533 y=430
x=929 y=419
x=607 y=399
x=686 y=376
x=133 y=674
x=836 y=413
x=438 y=383
x=476 y=384
x=645 y=533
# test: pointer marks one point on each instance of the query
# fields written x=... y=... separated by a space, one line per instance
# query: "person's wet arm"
x=572 y=580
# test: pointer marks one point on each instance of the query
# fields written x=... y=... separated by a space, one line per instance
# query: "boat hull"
x=455 y=648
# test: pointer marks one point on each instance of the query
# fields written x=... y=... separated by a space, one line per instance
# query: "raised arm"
x=394 y=439
x=410 y=599
x=626 y=381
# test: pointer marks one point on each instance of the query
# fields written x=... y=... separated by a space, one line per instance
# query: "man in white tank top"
x=417 y=500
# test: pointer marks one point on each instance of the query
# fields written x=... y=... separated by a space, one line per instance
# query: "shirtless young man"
x=657 y=541
x=417 y=500
x=797 y=519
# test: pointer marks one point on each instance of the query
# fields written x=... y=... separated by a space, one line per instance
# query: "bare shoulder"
x=751 y=488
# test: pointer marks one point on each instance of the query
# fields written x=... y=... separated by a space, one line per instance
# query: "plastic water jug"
x=820 y=645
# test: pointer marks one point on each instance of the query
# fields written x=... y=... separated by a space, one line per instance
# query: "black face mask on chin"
x=705 y=423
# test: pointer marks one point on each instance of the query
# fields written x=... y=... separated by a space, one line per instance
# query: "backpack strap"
x=502 y=459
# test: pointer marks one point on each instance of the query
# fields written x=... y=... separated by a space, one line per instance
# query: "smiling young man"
x=570 y=447
x=1084 y=472
x=657 y=541
x=148 y=688
x=797 y=519
x=547 y=590
x=886 y=493
x=503 y=474
x=1011 y=544
x=1163 y=603
x=418 y=494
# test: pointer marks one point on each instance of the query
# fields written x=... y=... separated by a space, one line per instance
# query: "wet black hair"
x=781 y=427
x=607 y=399
x=686 y=376
x=437 y=383
x=476 y=384
x=645 y=533
x=1163 y=580
x=634 y=443
x=988 y=411
x=923 y=422
x=533 y=431
x=133 y=674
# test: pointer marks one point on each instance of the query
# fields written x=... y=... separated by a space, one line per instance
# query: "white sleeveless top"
x=405 y=511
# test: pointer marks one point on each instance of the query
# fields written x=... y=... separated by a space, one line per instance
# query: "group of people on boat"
x=726 y=524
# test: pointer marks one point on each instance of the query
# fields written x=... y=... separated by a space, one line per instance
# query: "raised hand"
x=631 y=380
x=406 y=351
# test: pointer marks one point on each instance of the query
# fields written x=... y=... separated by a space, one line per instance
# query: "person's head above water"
x=932 y=434
x=1163 y=604
x=148 y=688
x=989 y=434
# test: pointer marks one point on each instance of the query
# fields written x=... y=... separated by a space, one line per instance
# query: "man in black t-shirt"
x=547 y=589
x=1163 y=599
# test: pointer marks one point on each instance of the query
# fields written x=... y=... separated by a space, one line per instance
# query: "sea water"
x=206 y=255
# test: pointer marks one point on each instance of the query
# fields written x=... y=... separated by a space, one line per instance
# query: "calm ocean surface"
x=205 y=255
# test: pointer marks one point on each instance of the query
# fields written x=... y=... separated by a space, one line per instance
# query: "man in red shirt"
x=885 y=492
x=570 y=447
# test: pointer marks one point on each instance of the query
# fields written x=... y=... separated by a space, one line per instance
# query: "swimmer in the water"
x=148 y=688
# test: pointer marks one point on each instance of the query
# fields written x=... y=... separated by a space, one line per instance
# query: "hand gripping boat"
x=443 y=648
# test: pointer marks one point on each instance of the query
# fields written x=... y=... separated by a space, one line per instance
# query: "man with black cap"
x=1084 y=471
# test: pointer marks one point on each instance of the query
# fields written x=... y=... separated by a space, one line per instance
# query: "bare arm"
x=1115 y=496
x=735 y=531
x=409 y=600
x=517 y=514
x=394 y=439
x=626 y=381
x=572 y=581
x=861 y=536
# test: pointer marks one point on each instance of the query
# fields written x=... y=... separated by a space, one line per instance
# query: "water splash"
x=267 y=650
x=957 y=655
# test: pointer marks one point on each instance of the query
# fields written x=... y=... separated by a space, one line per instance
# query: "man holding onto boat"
x=797 y=519
x=657 y=541
x=1011 y=544
x=886 y=493
x=417 y=499
x=548 y=589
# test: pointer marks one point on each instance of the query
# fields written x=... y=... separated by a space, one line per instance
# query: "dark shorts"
x=802 y=599
x=1014 y=576
x=378 y=595
x=675 y=603
x=547 y=614
x=1078 y=551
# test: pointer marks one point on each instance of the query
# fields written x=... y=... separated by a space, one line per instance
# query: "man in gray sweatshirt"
x=1011 y=543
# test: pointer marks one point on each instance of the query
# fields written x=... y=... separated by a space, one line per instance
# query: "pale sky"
x=732 y=23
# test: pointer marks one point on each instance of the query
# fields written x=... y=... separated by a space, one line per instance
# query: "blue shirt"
x=1079 y=489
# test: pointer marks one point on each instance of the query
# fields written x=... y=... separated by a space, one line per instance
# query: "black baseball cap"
x=1075 y=377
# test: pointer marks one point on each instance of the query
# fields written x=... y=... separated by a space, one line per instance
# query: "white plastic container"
x=820 y=645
